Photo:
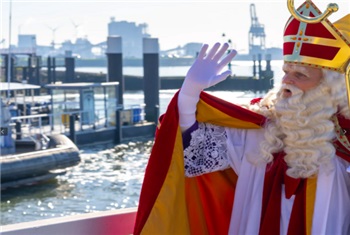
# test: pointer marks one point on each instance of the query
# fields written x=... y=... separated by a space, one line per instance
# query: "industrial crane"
x=256 y=34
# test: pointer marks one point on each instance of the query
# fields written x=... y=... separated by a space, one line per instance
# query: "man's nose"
x=287 y=79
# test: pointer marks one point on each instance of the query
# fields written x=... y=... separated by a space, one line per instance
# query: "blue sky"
x=174 y=23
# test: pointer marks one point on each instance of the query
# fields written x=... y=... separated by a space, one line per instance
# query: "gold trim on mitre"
x=343 y=26
x=321 y=45
x=332 y=7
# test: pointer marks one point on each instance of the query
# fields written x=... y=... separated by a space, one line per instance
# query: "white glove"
x=205 y=72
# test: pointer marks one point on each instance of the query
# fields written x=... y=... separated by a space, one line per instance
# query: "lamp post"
x=9 y=60
x=228 y=52
x=223 y=37
x=229 y=47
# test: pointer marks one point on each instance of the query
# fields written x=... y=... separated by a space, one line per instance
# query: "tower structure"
x=256 y=34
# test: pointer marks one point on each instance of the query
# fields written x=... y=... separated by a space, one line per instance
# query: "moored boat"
x=35 y=166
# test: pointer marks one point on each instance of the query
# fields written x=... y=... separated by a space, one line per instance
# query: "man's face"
x=303 y=77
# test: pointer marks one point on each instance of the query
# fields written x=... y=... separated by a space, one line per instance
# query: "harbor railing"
x=28 y=126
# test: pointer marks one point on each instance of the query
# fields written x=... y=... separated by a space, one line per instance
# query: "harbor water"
x=239 y=68
x=109 y=176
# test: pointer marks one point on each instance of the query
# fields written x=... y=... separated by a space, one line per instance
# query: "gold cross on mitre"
x=311 y=39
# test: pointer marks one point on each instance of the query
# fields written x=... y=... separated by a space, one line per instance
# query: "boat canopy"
x=14 y=86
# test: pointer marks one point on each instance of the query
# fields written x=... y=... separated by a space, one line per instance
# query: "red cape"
x=169 y=202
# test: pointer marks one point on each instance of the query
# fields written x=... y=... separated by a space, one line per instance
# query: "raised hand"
x=206 y=70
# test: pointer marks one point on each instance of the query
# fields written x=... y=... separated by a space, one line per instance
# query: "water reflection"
x=108 y=177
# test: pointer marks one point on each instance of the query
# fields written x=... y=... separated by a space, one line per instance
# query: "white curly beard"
x=301 y=127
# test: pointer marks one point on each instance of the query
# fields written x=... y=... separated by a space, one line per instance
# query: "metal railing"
x=59 y=123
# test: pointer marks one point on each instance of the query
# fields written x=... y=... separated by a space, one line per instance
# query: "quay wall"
x=135 y=62
x=232 y=83
x=108 y=135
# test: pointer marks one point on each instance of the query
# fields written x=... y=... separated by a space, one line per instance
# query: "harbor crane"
x=256 y=34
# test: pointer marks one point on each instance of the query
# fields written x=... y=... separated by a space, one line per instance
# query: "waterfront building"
x=27 y=42
x=131 y=34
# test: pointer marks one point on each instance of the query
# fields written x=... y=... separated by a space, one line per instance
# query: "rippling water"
x=108 y=177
